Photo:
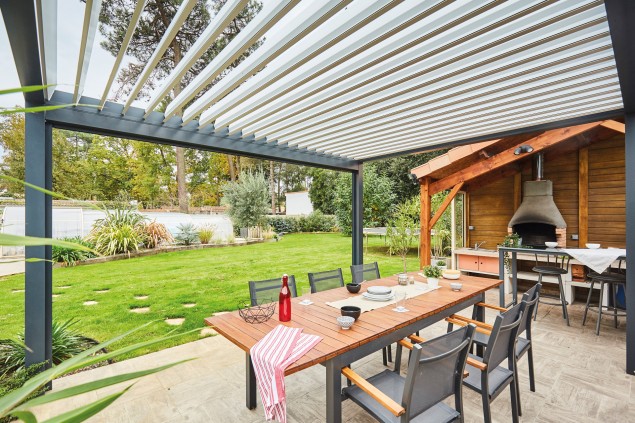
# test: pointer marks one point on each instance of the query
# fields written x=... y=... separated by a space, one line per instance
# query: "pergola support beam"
x=630 y=239
x=38 y=223
x=424 y=218
x=443 y=207
x=357 y=211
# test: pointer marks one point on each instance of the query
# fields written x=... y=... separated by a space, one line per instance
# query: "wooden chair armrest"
x=478 y=364
x=416 y=339
x=474 y=322
x=491 y=306
x=383 y=399
x=406 y=344
x=463 y=323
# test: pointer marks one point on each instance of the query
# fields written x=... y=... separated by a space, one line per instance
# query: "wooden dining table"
x=373 y=330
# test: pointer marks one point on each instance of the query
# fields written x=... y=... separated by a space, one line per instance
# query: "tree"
x=115 y=17
x=248 y=199
x=322 y=190
x=378 y=199
x=397 y=169
x=402 y=228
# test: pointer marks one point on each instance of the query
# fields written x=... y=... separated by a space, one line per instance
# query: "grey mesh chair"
x=557 y=266
x=322 y=281
x=263 y=291
x=365 y=272
x=435 y=373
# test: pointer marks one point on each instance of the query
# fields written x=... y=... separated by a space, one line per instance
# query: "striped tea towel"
x=270 y=356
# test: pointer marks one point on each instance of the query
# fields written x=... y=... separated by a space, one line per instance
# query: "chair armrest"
x=416 y=339
x=383 y=399
x=478 y=364
x=474 y=322
x=406 y=344
x=463 y=323
x=491 y=306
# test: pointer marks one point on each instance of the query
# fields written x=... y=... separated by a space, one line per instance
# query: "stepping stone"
x=208 y=331
x=17 y=291
x=90 y=303
x=140 y=297
x=55 y=295
x=102 y=291
x=139 y=310
x=189 y=305
x=177 y=321
x=220 y=313
x=64 y=287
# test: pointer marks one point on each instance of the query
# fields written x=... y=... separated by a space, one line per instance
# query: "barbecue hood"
x=538 y=206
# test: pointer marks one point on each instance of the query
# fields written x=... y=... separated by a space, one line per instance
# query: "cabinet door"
x=467 y=262
x=488 y=264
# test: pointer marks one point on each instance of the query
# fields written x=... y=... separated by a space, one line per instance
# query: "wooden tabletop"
x=320 y=319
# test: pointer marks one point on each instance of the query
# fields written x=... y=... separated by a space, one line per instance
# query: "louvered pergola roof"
x=338 y=82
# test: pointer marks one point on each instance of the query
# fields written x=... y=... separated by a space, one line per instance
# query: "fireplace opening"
x=535 y=234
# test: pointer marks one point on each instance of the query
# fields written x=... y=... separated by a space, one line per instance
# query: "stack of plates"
x=378 y=293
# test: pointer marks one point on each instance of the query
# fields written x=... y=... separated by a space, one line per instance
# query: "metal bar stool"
x=611 y=279
x=557 y=265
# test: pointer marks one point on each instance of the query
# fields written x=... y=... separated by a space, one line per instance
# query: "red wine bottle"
x=284 y=300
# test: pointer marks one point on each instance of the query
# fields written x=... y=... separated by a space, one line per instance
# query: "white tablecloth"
x=598 y=259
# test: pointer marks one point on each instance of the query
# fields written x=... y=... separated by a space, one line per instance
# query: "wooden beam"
x=424 y=237
x=518 y=189
x=538 y=143
x=614 y=125
x=443 y=207
x=583 y=196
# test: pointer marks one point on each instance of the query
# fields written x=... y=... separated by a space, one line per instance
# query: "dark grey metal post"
x=333 y=390
x=630 y=241
x=501 y=276
x=357 y=211
x=38 y=223
x=250 y=383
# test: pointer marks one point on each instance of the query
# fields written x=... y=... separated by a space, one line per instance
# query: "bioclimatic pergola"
x=337 y=83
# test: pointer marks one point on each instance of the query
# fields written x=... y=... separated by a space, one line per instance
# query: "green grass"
x=215 y=279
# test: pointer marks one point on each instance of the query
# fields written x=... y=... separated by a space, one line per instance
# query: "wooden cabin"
x=584 y=163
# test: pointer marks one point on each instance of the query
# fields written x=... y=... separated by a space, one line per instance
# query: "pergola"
x=335 y=84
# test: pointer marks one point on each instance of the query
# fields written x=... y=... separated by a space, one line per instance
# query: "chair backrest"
x=365 y=272
x=560 y=261
x=502 y=341
x=530 y=298
x=268 y=290
x=322 y=281
x=435 y=371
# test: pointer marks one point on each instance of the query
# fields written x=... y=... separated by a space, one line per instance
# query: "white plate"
x=377 y=297
x=379 y=290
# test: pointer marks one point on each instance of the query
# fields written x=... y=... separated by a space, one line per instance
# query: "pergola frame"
x=35 y=68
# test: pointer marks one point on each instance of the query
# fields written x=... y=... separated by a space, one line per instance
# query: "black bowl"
x=351 y=311
x=353 y=288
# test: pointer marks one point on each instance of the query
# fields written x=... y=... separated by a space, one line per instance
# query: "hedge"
x=315 y=222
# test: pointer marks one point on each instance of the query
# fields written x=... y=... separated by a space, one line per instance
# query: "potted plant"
x=512 y=240
x=432 y=273
x=441 y=264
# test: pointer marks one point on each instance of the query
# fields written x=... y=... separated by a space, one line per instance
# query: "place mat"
x=598 y=259
x=367 y=305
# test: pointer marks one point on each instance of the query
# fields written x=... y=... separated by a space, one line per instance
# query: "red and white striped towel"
x=271 y=356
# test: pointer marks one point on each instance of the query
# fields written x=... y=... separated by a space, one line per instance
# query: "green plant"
x=441 y=263
x=13 y=381
x=19 y=402
x=157 y=234
x=120 y=231
x=187 y=234
x=248 y=199
x=70 y=256
x=401 y=232
x=432 y=272
x=439 y=240
x=66 y=343
x=511 y=240
x=206 y=233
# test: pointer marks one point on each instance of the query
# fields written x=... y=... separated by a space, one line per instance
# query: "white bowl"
x=451 y=274
x=592 y=246
x=551 y=244
x=456 y=286
x=345 y=322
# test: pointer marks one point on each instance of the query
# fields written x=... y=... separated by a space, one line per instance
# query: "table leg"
x=333 y=391
x=250 y=383
x=479 y=314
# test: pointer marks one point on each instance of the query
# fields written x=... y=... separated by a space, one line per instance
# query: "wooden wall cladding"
x=607 y=193
x=491 y=209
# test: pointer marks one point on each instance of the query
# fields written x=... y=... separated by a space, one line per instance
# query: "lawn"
x=214 y=279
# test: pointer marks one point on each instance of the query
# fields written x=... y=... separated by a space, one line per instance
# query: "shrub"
x=432 y=272
x=248 y=199
x=13 y=381
x=70 y=256
x=120 y=231
x=187 y=235
x=157 y=234
x=67 y=342
x=206 y=233
x=315 y=222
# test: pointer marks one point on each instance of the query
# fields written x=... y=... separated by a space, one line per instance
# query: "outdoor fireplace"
x=538 y=219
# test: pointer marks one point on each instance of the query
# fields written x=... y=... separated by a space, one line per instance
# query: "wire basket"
x=257 y=313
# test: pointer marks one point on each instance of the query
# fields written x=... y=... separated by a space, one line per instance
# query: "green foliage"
x=120 y=231
x=397 y=169
x=432 y=272
x=315 y=222
x=13 y=381
x=378 y=199
x=206 y=233
x=248 y=199
x=66 y=343
x=187 y=235
x=401 y=231
x=322 y=189
x=156 y=234
x=69 y=255
x=512 y=240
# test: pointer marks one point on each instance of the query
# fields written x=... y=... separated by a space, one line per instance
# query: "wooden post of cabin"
x=426 y=211
x=583 y=196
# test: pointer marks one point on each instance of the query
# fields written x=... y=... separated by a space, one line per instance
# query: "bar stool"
x=612 y=280
x=558 y=267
